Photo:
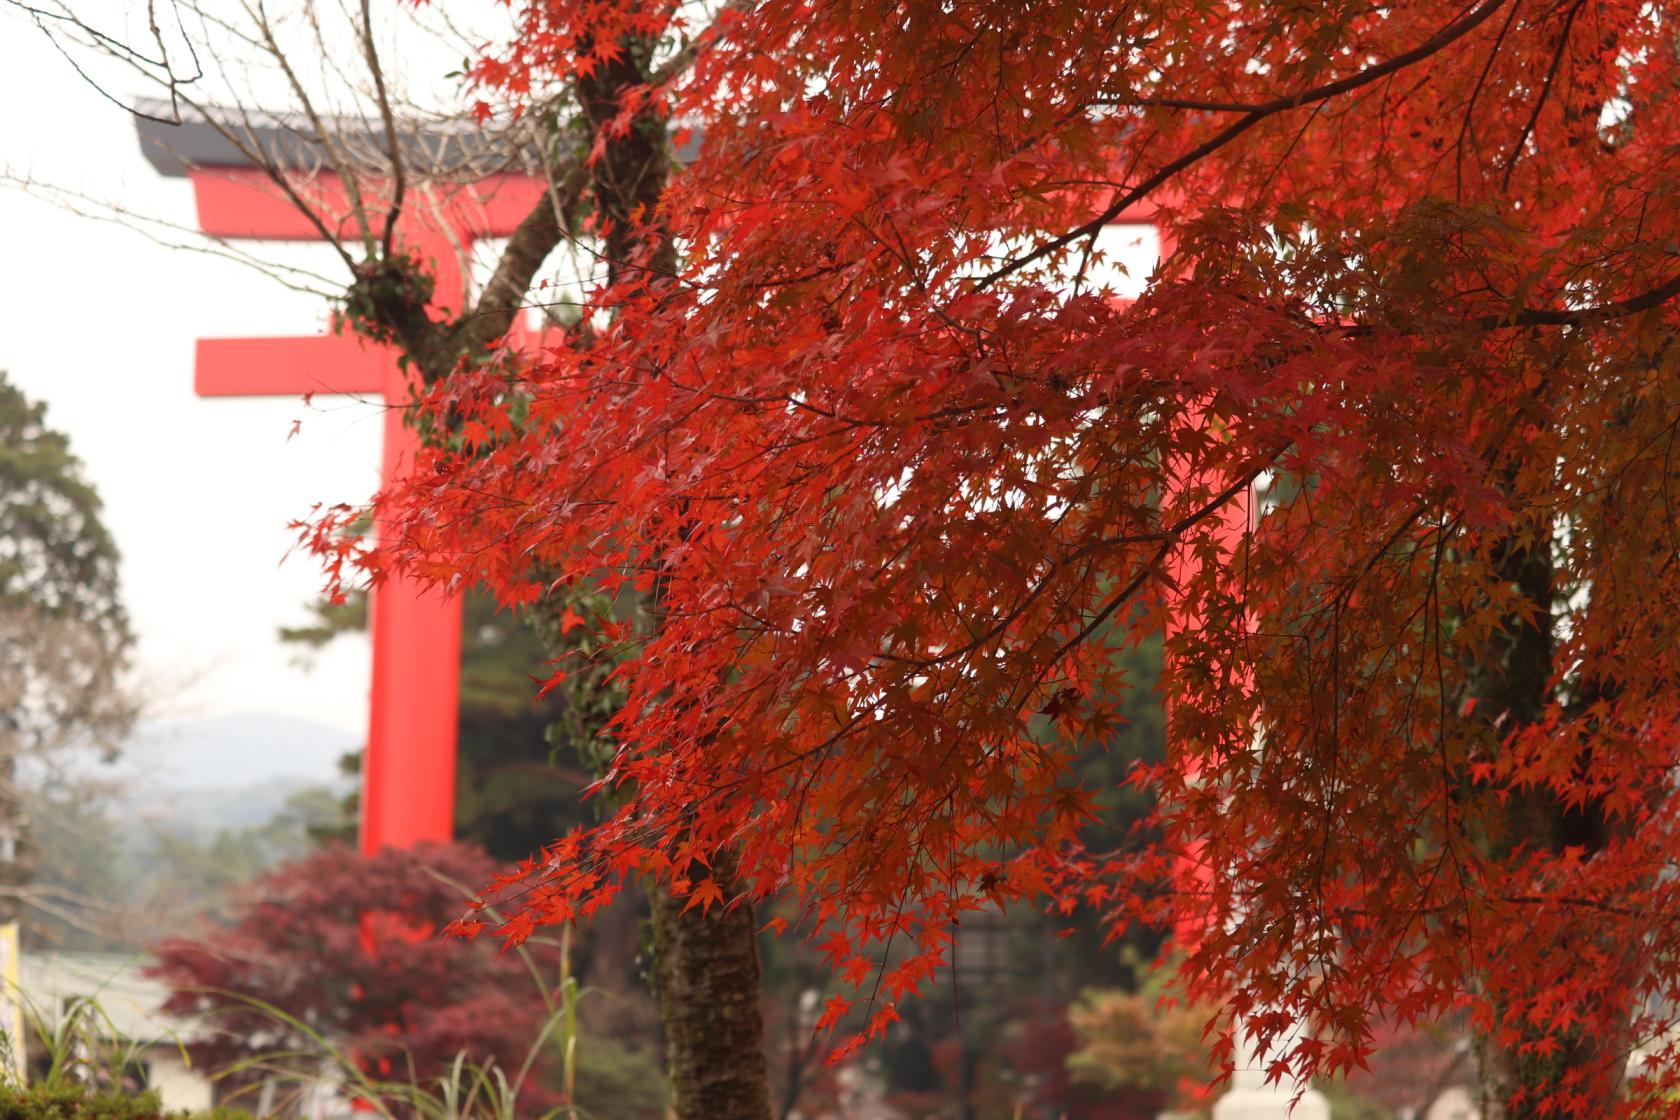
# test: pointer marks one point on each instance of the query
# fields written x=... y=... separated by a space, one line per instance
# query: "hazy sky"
x=100 y=323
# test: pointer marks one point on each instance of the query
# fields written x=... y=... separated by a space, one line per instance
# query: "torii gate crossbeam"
x=408 y=772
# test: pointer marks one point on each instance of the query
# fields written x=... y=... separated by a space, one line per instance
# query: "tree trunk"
x=706 y=965
x=1513 y=686
x=1515 y=679
x=1512 y=683
x=708 y=976
x=707 y=980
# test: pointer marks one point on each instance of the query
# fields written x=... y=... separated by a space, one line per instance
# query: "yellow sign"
x=11 y=1004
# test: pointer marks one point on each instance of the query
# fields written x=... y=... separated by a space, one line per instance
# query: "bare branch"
x=324 y=136
x=172 y=235
x=398 y=180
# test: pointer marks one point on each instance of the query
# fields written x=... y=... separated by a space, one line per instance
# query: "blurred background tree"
x=521 y=772
x=346 y=948
x=64 y=637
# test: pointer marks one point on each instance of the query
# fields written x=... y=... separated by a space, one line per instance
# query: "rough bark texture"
x=708 y=974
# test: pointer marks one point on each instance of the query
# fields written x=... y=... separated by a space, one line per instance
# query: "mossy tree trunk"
x=706 y=964
x=708 y=975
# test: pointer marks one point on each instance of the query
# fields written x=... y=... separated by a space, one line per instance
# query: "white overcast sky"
x=99 y=323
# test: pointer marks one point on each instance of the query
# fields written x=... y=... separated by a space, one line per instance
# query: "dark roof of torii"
x=175 y=138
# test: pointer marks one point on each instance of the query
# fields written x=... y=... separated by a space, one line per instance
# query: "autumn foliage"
x=339 y=949
x=892 y=475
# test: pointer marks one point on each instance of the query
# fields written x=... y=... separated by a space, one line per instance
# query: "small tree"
x=64 y=637
x=300 y=946
x=1144 y=1045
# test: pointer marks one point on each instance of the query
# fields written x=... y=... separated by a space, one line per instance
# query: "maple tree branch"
x=1190 y=103
x=1578 y=316
x=323 y=135
x=689 y=53
x=146 y=66
x=1589 y=315
x=1433 y=45
x=117 y=49
x=1464 y=128
x=399 y=182
x=1168 y=537
x=1545 y=93
x=532 y=241
x=1618 y=309
x=1171 y=535
x=171 y=235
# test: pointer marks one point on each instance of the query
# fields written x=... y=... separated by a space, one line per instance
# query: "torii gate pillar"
x=408 y=770
x=1250 y=1095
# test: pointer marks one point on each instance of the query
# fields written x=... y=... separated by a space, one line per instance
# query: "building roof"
x=128 y=1003
x=176 y=137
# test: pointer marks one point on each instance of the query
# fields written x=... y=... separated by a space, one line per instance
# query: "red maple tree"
x=893 y=475
x=295 y=969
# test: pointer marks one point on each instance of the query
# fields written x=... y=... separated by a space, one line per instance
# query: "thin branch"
x=190 y=240
x=1190 y=103
x=679 y=63
x=1583 y=316
x=1464 y=127
x=1545 y=92
x=1173 y=534
x=399 y=181
x=346 y=173
x=1436 y=43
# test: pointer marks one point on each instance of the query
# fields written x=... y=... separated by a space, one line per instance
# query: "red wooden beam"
x=283 y=367
x=243 y=202
x=408 y=771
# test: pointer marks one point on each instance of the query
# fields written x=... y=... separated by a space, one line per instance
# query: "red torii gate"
x=408 y=771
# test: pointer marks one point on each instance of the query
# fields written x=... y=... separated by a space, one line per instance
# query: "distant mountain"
x=188 y=810
x=200 y=814
x=231 y=752
x=194 y=778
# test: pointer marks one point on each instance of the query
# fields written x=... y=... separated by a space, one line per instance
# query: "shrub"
x=86 y=1102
